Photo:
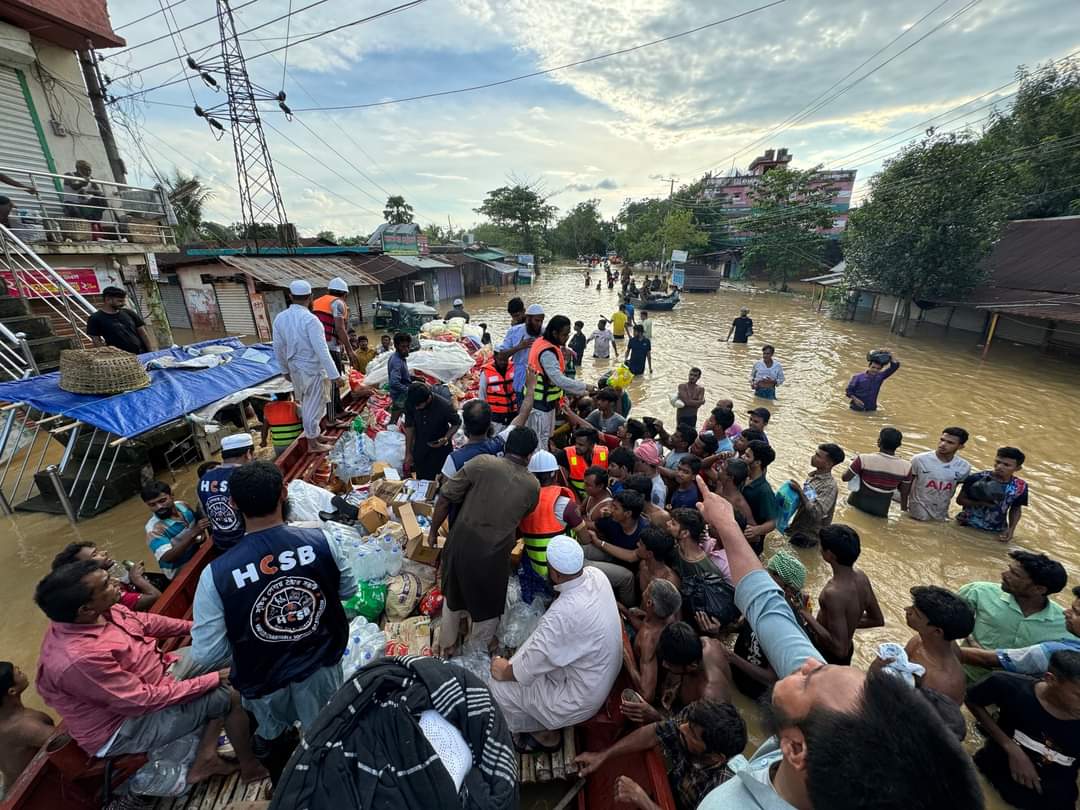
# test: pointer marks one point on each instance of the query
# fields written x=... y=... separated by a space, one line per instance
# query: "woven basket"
x=77 y=230
x=102 y=370
x=144 y=233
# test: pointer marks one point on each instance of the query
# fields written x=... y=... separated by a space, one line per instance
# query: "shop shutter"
x=235 y=307
x=172 y=296
x=450 y=286
x=20 y=147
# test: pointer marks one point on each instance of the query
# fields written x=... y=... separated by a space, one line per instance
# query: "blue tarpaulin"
x=171 y=394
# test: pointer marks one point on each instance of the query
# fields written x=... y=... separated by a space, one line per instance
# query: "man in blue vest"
x=226 y=522
x=273 y=602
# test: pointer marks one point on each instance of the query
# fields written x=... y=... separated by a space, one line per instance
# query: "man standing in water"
x=742 y=327
x=994 y=500
x=936 y=474
x=692 y=396
x=767 y=374
x=527 y=326
x=864 y=387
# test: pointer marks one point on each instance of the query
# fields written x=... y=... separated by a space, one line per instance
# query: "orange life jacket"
x=500 y=391
x=283 y=417
x=578 y=465
x=324 y=311
x=547 y=394
x=540 y=525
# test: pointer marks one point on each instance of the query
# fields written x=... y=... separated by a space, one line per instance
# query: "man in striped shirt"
x=880 y=475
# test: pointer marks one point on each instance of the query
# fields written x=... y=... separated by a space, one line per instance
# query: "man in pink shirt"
x=101 y=670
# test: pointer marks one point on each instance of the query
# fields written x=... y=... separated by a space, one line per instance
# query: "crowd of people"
x=623 y=525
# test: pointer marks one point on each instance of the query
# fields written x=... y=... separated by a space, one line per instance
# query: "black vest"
x=226 y=522
x=279 y=590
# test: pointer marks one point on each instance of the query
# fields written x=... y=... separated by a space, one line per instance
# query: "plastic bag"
x=356 y=379
x=349 y=457
x=787 y=504
x=443 y=361
x=402 y=595
x=620 y=377
x=389 y=447
x=432 y=603
x=476 y=661
x=519 y=622
x=369 y=600
x=307 y=500
x=711 y=594
x=366 y=643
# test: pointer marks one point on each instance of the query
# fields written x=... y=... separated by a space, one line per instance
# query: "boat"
x=658 y=304
x=62 y=775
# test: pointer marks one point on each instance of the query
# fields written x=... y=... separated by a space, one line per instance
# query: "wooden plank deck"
x=217 y=793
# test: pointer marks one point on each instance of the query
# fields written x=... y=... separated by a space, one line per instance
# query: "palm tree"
x=187 y=194
x=397 y=211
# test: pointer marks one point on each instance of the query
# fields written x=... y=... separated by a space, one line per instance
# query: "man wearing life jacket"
x=281 y=422
x=556 y=513
x=547 y=360
x=273 y=604
x=497 y=390
x=581 y=455
x=333 y=314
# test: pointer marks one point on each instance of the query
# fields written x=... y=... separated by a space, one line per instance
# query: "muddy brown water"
x=1017 y=396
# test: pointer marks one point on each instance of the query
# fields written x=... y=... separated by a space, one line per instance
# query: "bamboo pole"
x=528 y=772
x=569 y=752
x=543 y=767
x=990 y=334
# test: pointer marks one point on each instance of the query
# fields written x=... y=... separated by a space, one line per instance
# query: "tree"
x=497 y=236
x=641 y=221
x=267 y=231
x=216 y=232
x=933 y=215
x=187 y=194
x=581 y=232
x=397 y=211
x=521 y=210
x=789 y=208
x=327 y=236
x=680 y=231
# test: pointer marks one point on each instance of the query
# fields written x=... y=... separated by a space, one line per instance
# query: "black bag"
x=712 y=594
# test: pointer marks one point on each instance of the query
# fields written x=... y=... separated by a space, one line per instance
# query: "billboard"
x=678 y=277
x=400 y=244
x=679 y=256
x=82 y=279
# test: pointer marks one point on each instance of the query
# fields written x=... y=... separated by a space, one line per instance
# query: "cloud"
x=441 y=176
x=607 y=184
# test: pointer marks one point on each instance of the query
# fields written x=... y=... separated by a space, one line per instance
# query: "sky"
x=791 y=75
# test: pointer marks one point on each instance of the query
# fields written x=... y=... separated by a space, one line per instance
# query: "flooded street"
x=1016 y=397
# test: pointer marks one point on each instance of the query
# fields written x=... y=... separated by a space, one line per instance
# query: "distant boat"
x=666 y=302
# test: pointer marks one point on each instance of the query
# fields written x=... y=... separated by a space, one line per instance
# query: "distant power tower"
x=260 y=195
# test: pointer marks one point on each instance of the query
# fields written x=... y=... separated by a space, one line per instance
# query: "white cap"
x=534 y=309
x=564 y=554
x=299 y=287
x=338 y=284
x=237 y=441
x=458 y=302
x=543 y=462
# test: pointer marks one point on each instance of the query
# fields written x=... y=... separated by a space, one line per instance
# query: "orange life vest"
x=500 y=392
x=547 y=394
x=540 y=525
x=283 y=417
x=578 y=465
x=324 y=311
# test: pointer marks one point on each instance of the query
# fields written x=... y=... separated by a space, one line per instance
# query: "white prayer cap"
x=458 y=302
x=237 y=441
x=564 y=554
x=543 y=462
x=534 y=309
x=299 y=287
x=338 y=284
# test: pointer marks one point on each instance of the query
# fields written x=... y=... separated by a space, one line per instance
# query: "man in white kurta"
x=300 y=346
x=564 y=671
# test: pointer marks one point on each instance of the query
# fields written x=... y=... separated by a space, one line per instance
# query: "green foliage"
x=188 y=194
x=215 y=232
x=266 y=231
x=521 y=210
x=680 y=231
x=497 y=236
x=932 y=217
x=327 y=236
x=438 y=235
x=582 y=231
x=789 y=208
x=397 y=211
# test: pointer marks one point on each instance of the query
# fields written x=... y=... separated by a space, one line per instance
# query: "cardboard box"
x=378 y=470
x=516 y=552
x=385 y=489
x=407 y=517
x=427 y=510
x=419 y=551
x=374 y=513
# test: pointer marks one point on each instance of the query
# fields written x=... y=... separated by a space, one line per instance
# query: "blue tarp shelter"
x=171 y=394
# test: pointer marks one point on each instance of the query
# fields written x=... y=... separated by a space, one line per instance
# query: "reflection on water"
x=1018 y=397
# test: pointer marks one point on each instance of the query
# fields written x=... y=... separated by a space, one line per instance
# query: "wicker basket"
x=102 y=370
x=77 y=230
x=146 y=234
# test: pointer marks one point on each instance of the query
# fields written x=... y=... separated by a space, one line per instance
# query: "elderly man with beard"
x=843 y=739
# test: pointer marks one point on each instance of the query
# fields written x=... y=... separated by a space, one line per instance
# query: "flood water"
x=1017 y=396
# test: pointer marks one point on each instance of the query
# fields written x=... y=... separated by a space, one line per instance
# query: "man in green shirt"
x=759 y=494
x=1018 y=612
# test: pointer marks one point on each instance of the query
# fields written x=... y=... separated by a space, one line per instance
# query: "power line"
x=146 y=16
x=212 y=17
x=165 y=15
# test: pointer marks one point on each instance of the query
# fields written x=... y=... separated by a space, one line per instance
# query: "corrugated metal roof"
x=488 y=255
x=458 y=259
x=1038 y=254
x=278 y=271
x=423 y=262
x=384 y=268
x=505 y=269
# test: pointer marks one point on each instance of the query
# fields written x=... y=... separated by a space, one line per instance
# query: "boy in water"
x=847 y=602
x=939 y=617
x=994 y=500
x=22 y=730
x=662 y=603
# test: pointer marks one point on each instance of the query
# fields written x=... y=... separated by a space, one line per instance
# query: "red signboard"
x=82 y=279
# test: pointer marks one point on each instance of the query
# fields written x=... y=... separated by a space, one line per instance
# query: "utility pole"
x=671 y=193
x=94 y=85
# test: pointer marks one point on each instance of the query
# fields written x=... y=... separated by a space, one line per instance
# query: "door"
x=172 y=296
x=450 y=284
x=235 y=306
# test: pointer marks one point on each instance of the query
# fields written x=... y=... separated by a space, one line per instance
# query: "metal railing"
x=34 y=278
x=68 y=208
x=16 y=359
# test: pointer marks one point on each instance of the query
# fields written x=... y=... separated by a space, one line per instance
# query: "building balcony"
x=59 y=214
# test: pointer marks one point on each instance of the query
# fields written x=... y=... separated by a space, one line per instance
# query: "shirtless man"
x=847 y=602
x=22 y=731
x=662 y=602
x=597 y=494
x=731 y=475
x=939 y=617
x=700 y=664
x=656 y=551
x=639 y=482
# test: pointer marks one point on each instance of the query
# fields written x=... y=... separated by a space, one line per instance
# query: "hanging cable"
x=285 y=59
x=146 y=16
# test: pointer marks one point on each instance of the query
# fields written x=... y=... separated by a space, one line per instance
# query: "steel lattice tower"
x=260 y=196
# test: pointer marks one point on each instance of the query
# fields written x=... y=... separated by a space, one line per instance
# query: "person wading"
x=302 y=352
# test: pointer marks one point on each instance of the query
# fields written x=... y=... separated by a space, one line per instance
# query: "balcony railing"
x=66 y=209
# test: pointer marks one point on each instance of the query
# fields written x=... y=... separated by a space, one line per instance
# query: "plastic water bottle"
x=395 y=560
x=160 y=778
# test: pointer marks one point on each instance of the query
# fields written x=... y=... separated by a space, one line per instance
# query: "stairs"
x=44 y=345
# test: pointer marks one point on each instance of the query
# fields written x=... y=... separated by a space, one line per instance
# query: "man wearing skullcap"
x=564 y=671
x=302 y=353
